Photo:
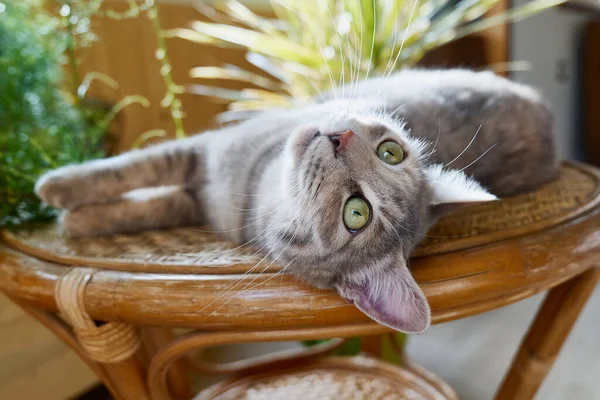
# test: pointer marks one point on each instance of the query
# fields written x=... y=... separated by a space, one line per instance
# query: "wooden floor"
x=35 y=365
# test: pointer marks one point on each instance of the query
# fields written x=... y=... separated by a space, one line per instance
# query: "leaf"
x=350 y=348
x=234 y=74
x=239 y=12
x=282 y=12
x=262 y=62
x=260 y=104
x=90 y=77
x=363 y=23
x=273 y=46
x=124 y=102
x=133 y=12
x=230 y=116
x=227 y=95
x=196 y=37
x=392 y=346
x=244 y=99
x=210 y=12
x=265 y=95
x=321 y=45
x=144 y=137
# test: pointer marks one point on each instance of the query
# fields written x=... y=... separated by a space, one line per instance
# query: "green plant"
x=47 y=119
x=40 y=129
x=392 y=346
x=318 y=45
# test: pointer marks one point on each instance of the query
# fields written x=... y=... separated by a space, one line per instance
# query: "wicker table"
x=142 y=286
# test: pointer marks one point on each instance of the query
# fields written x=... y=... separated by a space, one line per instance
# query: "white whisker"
x=412 y=11
x=395 y=35
x=373 y=39
x=465 y=149
x=477 y=159
x=232 y=285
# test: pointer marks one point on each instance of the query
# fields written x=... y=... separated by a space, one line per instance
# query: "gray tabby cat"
x=339 y=192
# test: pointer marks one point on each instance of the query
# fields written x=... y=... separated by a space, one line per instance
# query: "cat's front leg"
x=136 y=211
x=179 y=162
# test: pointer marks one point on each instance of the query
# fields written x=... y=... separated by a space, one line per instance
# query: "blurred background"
x=550 y=50
x=161 y=90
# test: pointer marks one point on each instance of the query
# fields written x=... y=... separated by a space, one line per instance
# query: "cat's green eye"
x=390 y=152
x=356 y=213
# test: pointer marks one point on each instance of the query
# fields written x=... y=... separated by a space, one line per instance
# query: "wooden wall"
x=125 y=51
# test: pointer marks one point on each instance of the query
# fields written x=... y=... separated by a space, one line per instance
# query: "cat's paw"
x=92 y=220
x=77 y=223
x=61 y=189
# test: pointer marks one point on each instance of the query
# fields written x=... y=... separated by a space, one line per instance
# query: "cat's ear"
x=453 y=190
x=390 y=296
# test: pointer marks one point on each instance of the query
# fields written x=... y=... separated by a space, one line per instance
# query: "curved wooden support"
x=266 y=360
x=154 y=338
x=547 y=334
x=65 y=333
x=159 y=366
x=124 y=379
x=128 y=378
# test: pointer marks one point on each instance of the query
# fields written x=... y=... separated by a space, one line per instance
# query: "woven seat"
x=334 y=378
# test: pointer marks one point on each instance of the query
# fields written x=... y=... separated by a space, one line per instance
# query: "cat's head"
x=363 y=197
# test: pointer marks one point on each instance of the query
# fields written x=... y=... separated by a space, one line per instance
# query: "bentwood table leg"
x=546 y=336
x=154 y=338
x=124 y=379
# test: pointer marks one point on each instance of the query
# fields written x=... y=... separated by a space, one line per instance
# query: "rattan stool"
x=144 y=286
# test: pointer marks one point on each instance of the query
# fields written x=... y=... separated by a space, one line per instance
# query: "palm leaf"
x=240 y=13
x=93 y=76
x=232 y=73
x=322 y=45
x=219 y=94
x=277 y=47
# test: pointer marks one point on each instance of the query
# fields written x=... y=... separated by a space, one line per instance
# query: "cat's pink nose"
x=340 y=139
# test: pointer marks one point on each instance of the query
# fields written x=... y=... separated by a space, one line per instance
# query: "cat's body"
x=283 y=180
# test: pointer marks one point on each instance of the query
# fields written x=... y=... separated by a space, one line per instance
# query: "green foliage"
x=319 y=45
x=39 y=128
x=352 y=346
